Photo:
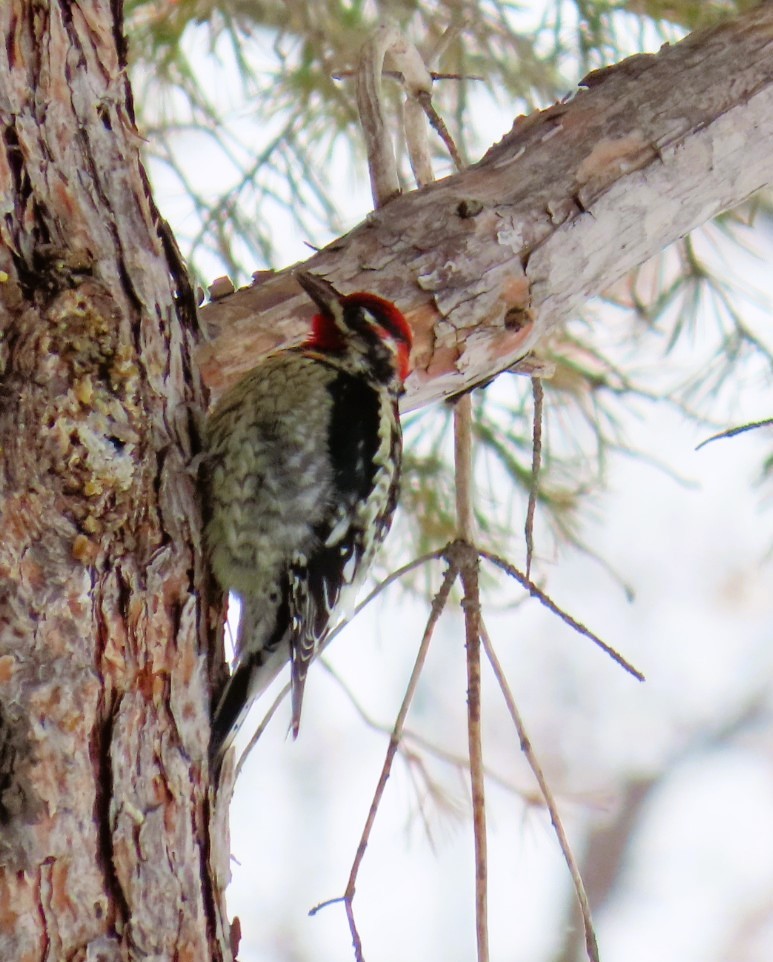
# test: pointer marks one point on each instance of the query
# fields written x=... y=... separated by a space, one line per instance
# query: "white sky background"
x=699 y=871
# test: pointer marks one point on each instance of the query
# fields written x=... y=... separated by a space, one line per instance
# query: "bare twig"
x=463 y=467
x=438 y=604
x=548 y=603
x=454 y=30
x=468 y=569
x=536 y=460
x=417 y=81
x=384 y=182
x=550 y=802
x=438 y=125
x=417 y=141
x=433 y=55
x=400 y=77
x=471 y=606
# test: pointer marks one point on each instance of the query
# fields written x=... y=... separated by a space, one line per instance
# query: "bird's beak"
x=322 y=292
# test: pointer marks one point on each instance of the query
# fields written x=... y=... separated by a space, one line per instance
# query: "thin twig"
x=443 y=43
x=438 y=125
x=548 y=603
x=468 y=568
x=471 y=606
x=382 y=166
x=591 y=944
x=538 y=394
x=438 y=604
x=417 y=82
x=463 y=468
x=400 y=77
x=417 y=141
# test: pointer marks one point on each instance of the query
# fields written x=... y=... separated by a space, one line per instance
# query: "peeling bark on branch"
x=486 y=262
x=104 y=616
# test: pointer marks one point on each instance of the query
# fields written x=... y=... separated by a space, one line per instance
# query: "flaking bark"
x=485 y=263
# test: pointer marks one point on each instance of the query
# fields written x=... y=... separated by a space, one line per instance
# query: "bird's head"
x=363 y=322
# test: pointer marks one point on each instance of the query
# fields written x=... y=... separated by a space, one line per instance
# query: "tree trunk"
x=105 y=617
x=485 y=263
x=108 y=846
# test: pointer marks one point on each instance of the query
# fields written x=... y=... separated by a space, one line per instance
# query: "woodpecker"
x=301 y=471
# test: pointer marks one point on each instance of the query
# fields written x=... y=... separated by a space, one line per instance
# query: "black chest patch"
x=354 y=436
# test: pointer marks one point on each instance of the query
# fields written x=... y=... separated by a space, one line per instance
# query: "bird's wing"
x=351 y=530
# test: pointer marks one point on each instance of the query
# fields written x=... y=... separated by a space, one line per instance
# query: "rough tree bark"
x=105 y=622
x=486 y=262
x=104 y=627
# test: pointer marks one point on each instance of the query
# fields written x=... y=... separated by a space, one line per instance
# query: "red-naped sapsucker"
x=301 y=468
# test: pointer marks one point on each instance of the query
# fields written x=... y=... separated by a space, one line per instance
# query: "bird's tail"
x=256 y=667
x=232 y=709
